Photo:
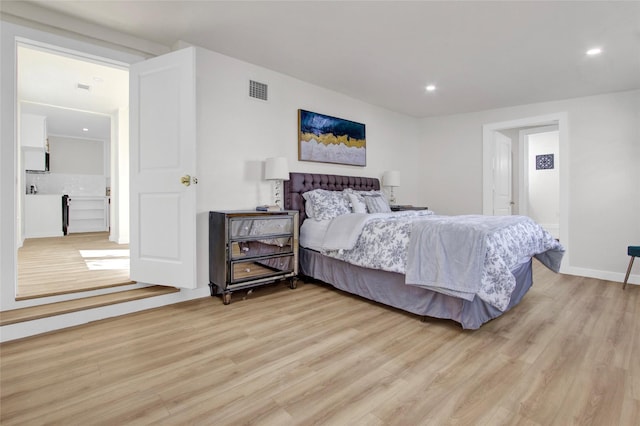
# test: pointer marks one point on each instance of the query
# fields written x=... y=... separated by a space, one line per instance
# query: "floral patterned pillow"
x=327 y=204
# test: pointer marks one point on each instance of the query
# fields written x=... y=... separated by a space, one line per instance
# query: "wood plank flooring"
x=75 y=262
x=568 y=354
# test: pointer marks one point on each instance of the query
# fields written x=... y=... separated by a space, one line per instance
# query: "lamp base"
x=277 y=185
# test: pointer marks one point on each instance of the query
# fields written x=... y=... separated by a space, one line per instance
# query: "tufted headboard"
x=300 y=183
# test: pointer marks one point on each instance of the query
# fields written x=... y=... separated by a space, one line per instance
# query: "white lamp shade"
x=276 y=168
x=391 y=178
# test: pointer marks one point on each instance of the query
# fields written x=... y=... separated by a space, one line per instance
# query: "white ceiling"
x=48 y=85
x=480 y=55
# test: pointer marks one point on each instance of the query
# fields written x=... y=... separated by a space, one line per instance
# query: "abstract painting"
x=327 y=139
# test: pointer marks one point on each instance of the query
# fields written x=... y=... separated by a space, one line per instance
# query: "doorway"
x=561 y=163
x=539 y=179
x=84 y=102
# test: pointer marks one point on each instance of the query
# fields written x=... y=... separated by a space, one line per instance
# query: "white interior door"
x=502 y=189
x=162 y=152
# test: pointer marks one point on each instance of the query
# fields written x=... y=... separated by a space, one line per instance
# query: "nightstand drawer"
x=253 y=248
x=260 y=226
x=258 y=268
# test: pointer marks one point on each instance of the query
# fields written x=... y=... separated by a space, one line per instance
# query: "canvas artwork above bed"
x=328 y=139
x=470 y=269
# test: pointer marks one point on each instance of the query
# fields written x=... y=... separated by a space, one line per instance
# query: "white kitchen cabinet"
x=88 y=214
x=33 y=131
x=34 y=159
x=42 y=215
x=33 y=139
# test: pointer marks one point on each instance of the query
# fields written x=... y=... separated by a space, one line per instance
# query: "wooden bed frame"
x=385 y=287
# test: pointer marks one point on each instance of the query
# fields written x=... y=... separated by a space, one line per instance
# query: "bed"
x=389 y=285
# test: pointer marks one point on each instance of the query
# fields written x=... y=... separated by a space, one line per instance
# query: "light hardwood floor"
x=568 y=354
x=75 y=262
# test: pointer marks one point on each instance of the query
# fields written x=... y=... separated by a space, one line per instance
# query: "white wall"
x=76 y=156
x=544 y=190
x=119 y=182
x=236 y=134
x=604 y=176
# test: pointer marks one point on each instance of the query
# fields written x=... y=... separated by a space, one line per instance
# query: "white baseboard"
x=602 y=275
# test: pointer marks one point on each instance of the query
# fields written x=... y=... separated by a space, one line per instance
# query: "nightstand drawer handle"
x=248 y=270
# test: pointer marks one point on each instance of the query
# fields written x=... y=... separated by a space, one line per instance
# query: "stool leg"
x=628 y=272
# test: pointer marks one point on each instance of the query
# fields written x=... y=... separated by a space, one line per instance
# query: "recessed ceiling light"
x=84 y=129
x=594 y=51
x=430 y=88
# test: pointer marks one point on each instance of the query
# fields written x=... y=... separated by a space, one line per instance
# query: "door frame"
x=561 y=120
x=9 y=192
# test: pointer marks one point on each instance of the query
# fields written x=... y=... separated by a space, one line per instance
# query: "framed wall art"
x=544 y=162
x=327 y=139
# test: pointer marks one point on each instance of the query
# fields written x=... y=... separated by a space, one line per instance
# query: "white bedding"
x=312 y=233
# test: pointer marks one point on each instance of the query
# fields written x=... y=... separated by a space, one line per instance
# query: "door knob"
x=185 y=180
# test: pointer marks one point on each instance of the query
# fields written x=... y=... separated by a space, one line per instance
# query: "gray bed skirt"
x=389 y=288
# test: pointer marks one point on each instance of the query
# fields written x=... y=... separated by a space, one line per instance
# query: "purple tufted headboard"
x=299 y=183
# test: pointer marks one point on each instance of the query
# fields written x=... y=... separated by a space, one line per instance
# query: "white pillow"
x=308 y=209
x=327 y=204
x=357 y=203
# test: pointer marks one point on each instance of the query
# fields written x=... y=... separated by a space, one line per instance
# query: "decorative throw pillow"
x=376 y=203
x=327 y=204
x=357 y=203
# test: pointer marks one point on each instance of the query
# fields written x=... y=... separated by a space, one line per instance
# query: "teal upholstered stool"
x=633 y=251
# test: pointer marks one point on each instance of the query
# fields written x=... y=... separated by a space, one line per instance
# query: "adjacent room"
x=261 y=212
x=70 y=238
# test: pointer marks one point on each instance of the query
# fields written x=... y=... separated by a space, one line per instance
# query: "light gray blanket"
x=449 y=254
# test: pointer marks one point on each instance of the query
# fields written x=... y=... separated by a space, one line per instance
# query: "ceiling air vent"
x=257 y=90
x=84 y=86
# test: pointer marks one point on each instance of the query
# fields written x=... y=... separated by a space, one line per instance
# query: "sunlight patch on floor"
x=105 y=253
x=107 y=264
x=106 y=259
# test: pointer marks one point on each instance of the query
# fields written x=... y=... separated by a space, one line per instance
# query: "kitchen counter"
x=42 y=215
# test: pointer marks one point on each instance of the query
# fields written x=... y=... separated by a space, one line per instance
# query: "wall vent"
x=84 y=86
x=257 y=90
